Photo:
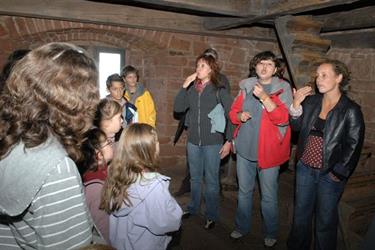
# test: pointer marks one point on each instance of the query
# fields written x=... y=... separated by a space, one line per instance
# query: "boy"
x=138 y=95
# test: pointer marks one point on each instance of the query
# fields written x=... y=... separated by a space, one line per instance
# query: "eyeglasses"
x=109 y=142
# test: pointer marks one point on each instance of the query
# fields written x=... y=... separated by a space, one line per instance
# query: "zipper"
x=199 y=119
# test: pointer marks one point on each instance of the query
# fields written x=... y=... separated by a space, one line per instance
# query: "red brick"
x=179 y=44
x=3 y=30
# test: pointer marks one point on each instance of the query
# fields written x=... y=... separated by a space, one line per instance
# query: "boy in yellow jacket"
x=138 y=95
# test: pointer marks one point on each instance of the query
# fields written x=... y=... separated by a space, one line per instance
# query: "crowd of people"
x=73 y=166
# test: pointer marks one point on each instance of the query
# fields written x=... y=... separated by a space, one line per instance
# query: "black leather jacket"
x=343 y=133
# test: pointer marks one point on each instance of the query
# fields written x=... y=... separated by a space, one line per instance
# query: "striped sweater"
x=42 y=205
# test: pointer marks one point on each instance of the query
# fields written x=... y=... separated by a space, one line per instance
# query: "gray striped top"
x=42 y=205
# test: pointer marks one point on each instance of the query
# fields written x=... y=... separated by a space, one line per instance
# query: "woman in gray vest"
x=262 y=140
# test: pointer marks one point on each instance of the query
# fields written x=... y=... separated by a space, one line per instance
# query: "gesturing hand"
x=244 y=116
x=300 y=95
x=259 y=91
x=188 y=80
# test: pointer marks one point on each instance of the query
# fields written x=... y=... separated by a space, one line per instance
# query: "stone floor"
x=194 y=236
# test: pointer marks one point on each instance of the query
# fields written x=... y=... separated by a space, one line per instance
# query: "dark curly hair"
x=265 y=55
x=51 y=91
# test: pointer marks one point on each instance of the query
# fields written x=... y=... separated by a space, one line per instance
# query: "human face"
x=327 y=80
x=106 y=150
x=203 y=71
x=112 y=126
x=131 y=79
x=116 y=90
x=265 y=69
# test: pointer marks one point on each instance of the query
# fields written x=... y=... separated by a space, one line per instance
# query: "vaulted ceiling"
x=348 y=23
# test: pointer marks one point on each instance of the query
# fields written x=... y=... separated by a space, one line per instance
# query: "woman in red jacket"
x=260 y=112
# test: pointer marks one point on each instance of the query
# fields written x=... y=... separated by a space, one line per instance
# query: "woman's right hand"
x=189 y=79
x=300 y=95
x=244 y=116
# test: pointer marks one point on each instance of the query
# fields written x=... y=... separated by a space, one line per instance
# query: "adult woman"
x=205 y=146
x=47 y=105
x=262 y=142
x=331 y=132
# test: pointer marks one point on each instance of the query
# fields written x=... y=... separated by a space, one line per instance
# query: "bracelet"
x=265 y=98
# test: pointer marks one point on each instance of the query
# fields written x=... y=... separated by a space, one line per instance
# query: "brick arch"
x=21 y=32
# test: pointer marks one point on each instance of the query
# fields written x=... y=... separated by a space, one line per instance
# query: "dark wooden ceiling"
x=348 y=23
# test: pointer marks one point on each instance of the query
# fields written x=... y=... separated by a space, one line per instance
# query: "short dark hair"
x=114 y=78
x=129 y=70
x=265 y=55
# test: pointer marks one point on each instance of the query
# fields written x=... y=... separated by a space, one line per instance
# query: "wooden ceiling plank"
x=240 y=8
x=125 y=16
x=279 y=9
x=360 y=18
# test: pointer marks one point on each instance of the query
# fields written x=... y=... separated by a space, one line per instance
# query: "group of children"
x=122 y=198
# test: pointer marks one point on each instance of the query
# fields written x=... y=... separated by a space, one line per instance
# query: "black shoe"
x=185 y=215
x=209 y=224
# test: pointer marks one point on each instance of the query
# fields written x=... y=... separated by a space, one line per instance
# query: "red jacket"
x=273 y=148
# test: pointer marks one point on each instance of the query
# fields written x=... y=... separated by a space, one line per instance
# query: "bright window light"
x=109 y=63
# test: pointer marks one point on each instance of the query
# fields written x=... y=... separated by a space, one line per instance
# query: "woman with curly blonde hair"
x=137 y=196
x=47 y=104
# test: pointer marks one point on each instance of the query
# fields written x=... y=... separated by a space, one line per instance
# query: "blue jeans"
x=317 y=193
x=204 y=161
x=268 y=180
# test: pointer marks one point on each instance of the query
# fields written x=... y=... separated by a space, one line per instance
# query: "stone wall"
x=361 y=63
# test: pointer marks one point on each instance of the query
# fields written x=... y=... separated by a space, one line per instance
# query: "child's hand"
x=189 y=79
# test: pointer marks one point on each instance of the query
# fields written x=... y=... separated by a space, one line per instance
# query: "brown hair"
x=94 y=138
x=340 y=69
x=52 y=90
x=211 y=61
x=136 y=152
x=106 y=109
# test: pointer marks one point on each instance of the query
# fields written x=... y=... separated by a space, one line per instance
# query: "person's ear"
x=339 y=78
x=98 y=155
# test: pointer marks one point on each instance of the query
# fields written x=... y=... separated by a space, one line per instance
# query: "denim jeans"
x=317 y=193
x=204 y=161
x=268 y=180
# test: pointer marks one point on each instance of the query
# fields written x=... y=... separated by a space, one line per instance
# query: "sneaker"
x=236 y=235
x=209 y=224
x=185 y=215
x=268 y=242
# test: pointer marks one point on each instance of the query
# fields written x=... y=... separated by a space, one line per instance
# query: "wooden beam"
x=125 y=16
x=364 y=38
x=239 y=8
x=354 y=19
x=279 y=9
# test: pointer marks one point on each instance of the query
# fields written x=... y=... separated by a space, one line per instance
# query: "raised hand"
x=300 y=95
x=188 y=80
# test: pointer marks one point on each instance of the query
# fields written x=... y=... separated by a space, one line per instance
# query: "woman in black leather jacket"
x=331 y=133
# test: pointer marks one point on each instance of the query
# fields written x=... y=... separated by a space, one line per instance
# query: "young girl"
x=98 y=151
x=108 y=118
x=142 y=209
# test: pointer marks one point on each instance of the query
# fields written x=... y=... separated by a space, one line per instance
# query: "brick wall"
x=164 y=60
